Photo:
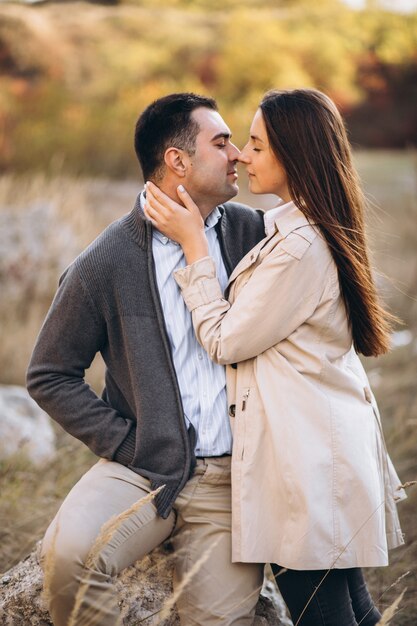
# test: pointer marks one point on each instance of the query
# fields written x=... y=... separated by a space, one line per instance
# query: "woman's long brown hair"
x=308 y=137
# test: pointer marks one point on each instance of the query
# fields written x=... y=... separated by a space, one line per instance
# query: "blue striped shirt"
x=202 y=383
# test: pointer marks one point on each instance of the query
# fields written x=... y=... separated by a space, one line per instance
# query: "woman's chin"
x=253 y=187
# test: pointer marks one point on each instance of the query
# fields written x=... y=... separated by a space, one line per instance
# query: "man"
x=162 y=419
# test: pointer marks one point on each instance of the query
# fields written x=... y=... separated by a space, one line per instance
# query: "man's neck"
x=204 y=206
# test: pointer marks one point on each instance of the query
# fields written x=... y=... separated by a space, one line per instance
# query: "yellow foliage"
x=74 y=81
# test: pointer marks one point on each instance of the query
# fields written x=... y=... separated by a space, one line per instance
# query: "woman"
x=313 y=488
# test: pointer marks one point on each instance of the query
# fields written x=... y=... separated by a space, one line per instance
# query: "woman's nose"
x=244 y=156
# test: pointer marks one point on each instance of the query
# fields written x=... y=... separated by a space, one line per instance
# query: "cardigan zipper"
x=162 y=326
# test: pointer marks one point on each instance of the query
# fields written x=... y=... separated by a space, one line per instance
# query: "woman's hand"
x=182 y=224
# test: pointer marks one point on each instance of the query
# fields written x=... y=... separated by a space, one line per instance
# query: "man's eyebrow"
x=256 y=138
x=221 y=136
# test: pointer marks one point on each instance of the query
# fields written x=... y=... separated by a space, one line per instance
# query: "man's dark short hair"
x=166 y=123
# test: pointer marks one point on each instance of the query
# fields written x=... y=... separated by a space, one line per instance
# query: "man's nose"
x=234 y=152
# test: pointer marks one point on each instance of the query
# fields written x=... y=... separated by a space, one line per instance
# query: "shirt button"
x=164 y=239
x=200 y=356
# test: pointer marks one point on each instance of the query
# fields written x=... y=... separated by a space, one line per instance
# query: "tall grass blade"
x=389 y=612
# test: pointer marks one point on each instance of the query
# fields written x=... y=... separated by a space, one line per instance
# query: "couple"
x=313 y=487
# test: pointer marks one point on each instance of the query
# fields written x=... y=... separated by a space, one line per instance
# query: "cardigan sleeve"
x=281 y=294
x=70 y=337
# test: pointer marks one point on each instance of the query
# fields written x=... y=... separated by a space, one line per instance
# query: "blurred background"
x=74 y=77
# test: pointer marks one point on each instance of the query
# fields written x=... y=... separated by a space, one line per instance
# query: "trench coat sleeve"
x=282 y=292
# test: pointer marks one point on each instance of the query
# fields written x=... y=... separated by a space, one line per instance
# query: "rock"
x=24 y=427
x=143 y=588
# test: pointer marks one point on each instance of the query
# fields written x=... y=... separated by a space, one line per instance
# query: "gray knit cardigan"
x=108 y=302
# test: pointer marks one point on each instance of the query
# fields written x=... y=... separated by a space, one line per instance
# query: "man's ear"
x=176 y=161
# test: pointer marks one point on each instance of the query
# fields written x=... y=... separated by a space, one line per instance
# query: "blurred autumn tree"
x=74 y=77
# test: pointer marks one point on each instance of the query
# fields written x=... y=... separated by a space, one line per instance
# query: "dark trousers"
x=338 y=597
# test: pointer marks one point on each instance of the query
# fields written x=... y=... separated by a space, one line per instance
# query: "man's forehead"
x=210 y=122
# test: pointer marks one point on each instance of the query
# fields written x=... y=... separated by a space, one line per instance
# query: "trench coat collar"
x=286 y=217
x=279 y=222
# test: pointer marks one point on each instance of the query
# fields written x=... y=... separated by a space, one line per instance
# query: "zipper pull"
x=245 y=397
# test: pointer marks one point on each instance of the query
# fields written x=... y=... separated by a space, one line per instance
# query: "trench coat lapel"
x=250 y=258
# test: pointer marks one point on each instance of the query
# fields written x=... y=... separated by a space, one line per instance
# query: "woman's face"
x=266 y=174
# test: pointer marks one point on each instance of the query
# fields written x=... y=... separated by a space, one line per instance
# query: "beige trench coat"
x=312 y=483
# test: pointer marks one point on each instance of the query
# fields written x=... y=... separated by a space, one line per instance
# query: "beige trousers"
x=221 y=592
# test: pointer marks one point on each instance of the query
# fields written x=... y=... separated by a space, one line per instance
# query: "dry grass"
x=390 y=612
x=30 y=497
x=44 y=224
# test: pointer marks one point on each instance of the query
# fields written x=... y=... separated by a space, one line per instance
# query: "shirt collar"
x=211 y=221
x=212 y=218
x=285 y=217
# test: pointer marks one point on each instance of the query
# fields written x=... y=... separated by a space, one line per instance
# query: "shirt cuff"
x=198 y=283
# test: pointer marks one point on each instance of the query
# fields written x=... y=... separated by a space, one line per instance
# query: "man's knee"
x=62 y=561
